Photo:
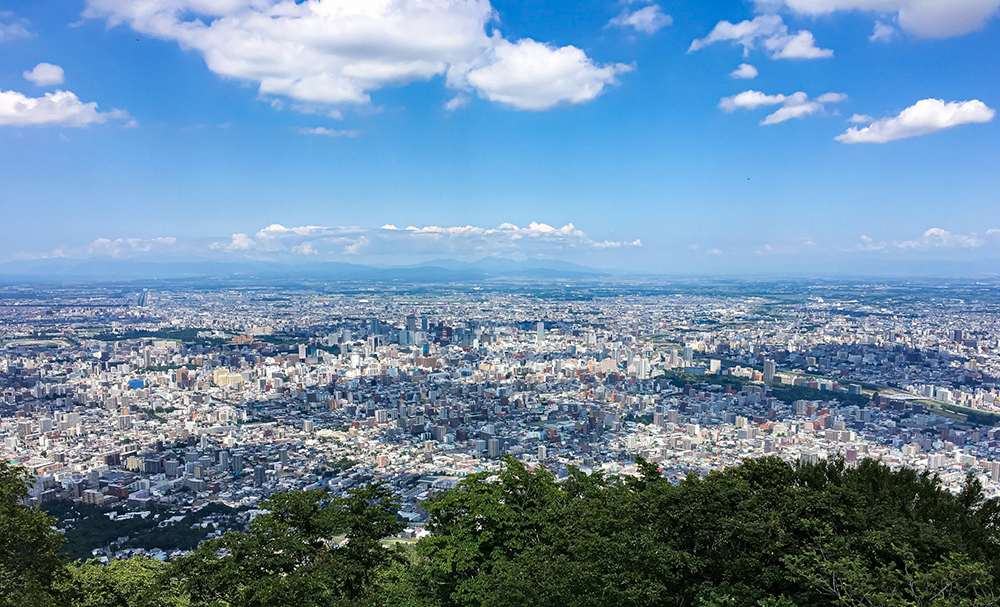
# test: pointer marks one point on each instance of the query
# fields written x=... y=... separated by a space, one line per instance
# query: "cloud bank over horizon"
x=387 y=244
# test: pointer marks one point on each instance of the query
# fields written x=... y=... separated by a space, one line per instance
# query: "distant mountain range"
x=487 y=268
x=438 y=270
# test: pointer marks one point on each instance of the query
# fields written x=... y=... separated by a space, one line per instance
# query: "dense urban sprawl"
x=156 y=418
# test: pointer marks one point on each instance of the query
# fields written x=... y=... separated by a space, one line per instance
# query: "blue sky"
x=607 y=133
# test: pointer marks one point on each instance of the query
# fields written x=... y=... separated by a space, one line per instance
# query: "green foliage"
x=784 y=393
x=762 y=534
x=289 y=556
x=30 y=559
x=134 y=582
x=92 y=528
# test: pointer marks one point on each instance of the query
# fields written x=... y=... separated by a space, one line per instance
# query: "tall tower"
x=769 y=370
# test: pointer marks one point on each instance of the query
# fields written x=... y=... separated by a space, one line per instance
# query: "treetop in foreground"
x=765 y=533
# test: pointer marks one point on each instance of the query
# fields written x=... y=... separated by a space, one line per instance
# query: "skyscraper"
x=541 y=332
x=769 y=369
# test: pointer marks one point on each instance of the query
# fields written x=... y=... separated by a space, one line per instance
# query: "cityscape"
x=187 y=405
x=494 y=303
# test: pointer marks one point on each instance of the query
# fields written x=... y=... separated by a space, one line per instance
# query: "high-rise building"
x=258 y=475
x=541 y=332
x=769 y=370
x=493 y=448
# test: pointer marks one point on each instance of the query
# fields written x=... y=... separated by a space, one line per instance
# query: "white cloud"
x=860 y=119
x=832 y=98
x=61 y=108
x=797 y=105
x=238 y=242
x=45 y=74
x=749 y=100
x=130 y=247
x=306 y=248
x=386 y=245
x=798 y=46
x=932 y=239
x=530 y=75
x=458 y=101
x=648 y=19
x=769 y=29
x=927 y=18
x=392 y=244
x=322 y=130
x=337 y=52
x=764 y=250
x=357 y=246
x=799 y=110
x=744 y=72
x=714 y=252
x=923 y=117
x=13 y=31
x=882 y=33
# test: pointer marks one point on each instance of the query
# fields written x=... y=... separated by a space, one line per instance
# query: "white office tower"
x=769 y=370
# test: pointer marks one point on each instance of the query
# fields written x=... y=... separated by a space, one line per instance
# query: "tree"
x=291 y=554
x=30 y=559
x=134 y=582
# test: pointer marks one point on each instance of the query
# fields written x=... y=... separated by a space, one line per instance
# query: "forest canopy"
x=764 y=534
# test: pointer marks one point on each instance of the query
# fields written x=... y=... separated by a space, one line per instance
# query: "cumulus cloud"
x=130 y=247
x=769 y=30
x=530 y=75
x=61 y=108
x=45 y=74
x=648 y=19
x=420 y=241
x=749 y=100
x=388 y=244
x=932 y=239
x=322 y=130
x=927 y=18
x=458 y=101
x=744 y=72
x=12 y=31
x=860 y=119
x=882 y=33
x=796 y=105
x=306 y=248
x=923 y=117
x=330 y=52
